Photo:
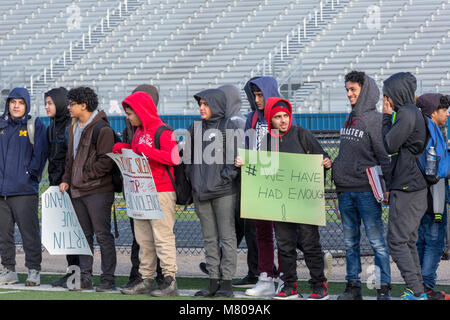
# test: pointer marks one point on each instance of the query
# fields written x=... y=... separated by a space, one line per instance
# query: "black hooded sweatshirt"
x=57 y=135
x=405 y=139
x=211 y=177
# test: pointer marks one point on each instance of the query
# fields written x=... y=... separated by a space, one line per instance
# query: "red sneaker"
x=320 y=292
x=289 y=292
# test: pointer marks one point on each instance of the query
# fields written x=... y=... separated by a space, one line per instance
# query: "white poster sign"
x=139 y=188
x=61 y=231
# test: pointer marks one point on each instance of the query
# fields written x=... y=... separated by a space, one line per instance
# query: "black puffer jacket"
x=57 y=135
x=405 y=139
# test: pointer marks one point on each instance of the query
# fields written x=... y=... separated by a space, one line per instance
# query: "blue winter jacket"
x=21 y=164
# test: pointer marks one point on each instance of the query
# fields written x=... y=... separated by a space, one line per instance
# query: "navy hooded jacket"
x=269 y=88
x=21 y=163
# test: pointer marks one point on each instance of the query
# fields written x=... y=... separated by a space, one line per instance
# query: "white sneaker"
x=8 y=277
x=263 y=288
x=328 y=267
x=34 y=278
x=280 y=283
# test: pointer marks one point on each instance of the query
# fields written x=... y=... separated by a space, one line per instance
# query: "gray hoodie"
x=361 y=143
x=209 y=178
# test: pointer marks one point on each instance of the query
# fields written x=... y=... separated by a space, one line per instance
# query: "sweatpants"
x=218 y=228
x=156 y=239
x=288 y=236
x=406 y=210
x=22 y=210
x=94 y=214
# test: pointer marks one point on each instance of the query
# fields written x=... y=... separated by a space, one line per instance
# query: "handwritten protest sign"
x=139 y=188
x=290 y=189
x=61 y=231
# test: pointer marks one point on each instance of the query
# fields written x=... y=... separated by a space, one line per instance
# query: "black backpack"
x=116 y=175
x=181 y=184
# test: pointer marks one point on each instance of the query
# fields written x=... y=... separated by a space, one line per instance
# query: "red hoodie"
x=143 y=140
x=274 y=105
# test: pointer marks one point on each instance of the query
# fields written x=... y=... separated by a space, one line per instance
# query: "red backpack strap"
x=254 y=119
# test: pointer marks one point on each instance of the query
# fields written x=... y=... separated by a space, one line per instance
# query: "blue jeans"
x=354 y=207
x=430 y=246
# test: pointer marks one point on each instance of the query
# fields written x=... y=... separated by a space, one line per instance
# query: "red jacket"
x=143 y=140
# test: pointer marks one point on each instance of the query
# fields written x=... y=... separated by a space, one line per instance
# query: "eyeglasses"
x=72 y=104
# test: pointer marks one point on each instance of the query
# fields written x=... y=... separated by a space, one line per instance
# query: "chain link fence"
x=188 y=231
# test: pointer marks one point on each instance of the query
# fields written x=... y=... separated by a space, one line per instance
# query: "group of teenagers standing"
x=79 y=137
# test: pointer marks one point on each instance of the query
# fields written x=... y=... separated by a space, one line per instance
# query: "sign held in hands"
x=139 y=187
x=292 y=190
x=61 y=230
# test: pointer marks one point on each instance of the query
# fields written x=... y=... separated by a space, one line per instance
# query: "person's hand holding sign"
x=326 y=163
x=63 y=187
x=238 y=162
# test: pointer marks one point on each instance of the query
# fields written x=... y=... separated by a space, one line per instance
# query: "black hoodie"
x=361 y=145
x=211 y=179
x=57 y=135
x=405 y=139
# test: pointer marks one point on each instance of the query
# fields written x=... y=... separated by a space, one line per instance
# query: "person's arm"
x=316 y=148
x=230 y=171
x=103 y=164
x=396 y=134
x=168 y=153
x=40 y=151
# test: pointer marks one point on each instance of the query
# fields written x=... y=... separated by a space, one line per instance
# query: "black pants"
x=22 y=210
x=94 y=214
x=308 y=239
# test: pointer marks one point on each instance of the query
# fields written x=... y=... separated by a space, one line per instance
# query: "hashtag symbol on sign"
x=251 y=170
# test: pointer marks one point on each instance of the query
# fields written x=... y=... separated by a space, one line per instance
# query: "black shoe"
x=214 y=285
x=106 y=286
x=352 y=291
x=140 y=286
x=159 y=279
x=61 y=282
x=85 y=284
x=246 y=282
x=131 y=282
x=445 y=256
x=225 y=290
x=168 y=288
x=384 y=293
x=434 y=295
x=202 y=267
